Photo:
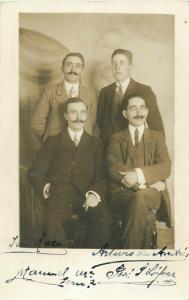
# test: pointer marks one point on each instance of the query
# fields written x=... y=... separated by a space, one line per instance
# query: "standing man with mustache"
x=109 y=116
x=47 y=119
x=139 y=164
x=68 y=173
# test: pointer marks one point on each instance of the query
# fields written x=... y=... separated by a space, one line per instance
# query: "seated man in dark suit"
x=138 y=167
x=68 y=173
x=109 y=116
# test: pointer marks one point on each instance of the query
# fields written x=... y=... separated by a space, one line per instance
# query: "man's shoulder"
x=85 y=93
x=154 y=134
x=107 y=88
x=120 y=136
x=52 y=139
x=55 y=88
x=139 y=85
x=93 y=142
x=92 y=138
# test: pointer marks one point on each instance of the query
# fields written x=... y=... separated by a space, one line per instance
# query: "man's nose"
x=117 y=67
x=73 y=68
x=138 y=111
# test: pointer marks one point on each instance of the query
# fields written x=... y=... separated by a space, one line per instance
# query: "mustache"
x=138 y=117
x=78 y=121
x=72 y=72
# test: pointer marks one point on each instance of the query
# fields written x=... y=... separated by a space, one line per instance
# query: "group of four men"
x=87 y=178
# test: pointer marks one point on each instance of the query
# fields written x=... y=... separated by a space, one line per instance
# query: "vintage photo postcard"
x=94 y=150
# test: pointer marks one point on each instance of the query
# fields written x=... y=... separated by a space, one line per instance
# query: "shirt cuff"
x=94 y=193
x=45 y=193
x=141 y=179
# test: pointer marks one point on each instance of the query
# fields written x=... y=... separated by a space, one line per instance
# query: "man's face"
x=72 y=69
x=136 y=112
x=121 y=68
x=76 y=115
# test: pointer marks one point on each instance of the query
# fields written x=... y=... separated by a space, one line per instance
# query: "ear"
x=65 y=116
x=124 y=113
x=130 y=68
x=147 y=111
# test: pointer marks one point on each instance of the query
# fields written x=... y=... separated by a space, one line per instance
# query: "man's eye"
x=132 y=108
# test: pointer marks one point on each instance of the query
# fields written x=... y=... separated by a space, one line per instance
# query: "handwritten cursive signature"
x=127 y=272
x=79 y=278
x=164 y=252
x=14 y=247
x=138 y=273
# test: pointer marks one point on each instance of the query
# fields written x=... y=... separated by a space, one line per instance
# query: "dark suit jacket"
x=48 y=117
x=60 y=162
x=106 y=113
x=157 y=164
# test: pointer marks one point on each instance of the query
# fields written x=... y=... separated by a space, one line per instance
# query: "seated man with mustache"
x=68 y=173
x=139 y=164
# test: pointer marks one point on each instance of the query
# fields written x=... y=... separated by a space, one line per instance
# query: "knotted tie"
x=136 y=137
x=72 y=92
x=119 y=94
x=76 y=141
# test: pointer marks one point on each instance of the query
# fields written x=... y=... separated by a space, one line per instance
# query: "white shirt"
x=75 y=86
x=132 y=132
x=124 y=84
x=75 y=133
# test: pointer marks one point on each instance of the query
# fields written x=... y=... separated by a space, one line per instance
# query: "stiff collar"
x=73 y=133
x=124 y=84
x=132 y=132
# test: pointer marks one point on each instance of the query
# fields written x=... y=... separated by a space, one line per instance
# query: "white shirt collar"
x=73 y=133
x=69 y=85
x=124 y=84
x=132 y=132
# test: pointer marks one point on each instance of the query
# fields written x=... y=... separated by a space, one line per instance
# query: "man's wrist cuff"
x=94 y=193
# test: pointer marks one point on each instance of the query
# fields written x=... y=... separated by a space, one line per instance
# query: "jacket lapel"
x=66 y=141
x=130 y=88
x=128 y=148
x=61 y=95
x=148 y=147
x=83 y=144
x=112 y=104
x=82 y=93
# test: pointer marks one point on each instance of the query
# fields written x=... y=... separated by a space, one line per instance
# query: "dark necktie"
x=119 y=94
x=136 y=137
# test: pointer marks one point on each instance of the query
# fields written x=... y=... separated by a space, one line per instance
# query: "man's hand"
x=90 y=201
x=130 y=178
x=46 y=190
x=159 y=186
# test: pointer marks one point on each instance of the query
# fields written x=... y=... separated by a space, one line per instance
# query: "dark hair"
x=73 y=100
x=74 y=54
x=126 y=100
x=125 y=52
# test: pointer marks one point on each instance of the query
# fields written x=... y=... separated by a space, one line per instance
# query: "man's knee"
x=139 y=200
x=100 y=214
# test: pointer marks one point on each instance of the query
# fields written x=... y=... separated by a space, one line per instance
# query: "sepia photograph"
x=96 y=97
x=94 y=150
